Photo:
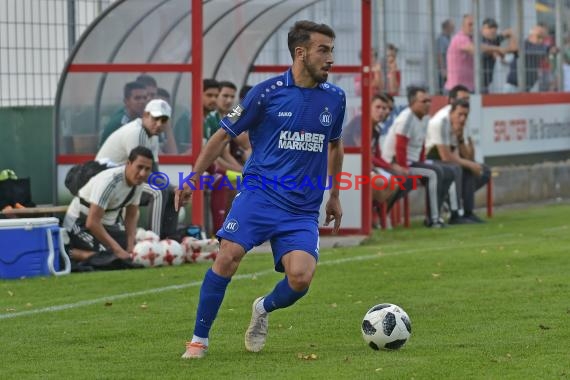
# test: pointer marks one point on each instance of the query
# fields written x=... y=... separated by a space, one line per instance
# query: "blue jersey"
x=289 y=130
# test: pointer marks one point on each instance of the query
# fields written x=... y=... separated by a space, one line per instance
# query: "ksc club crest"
x=231 y=225
x=325 y=117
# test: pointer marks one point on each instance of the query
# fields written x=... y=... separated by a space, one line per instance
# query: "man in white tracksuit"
x=144 y=132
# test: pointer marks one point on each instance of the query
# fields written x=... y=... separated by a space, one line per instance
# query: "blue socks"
x=282 y=296
x=212 y=294
x=211 y=297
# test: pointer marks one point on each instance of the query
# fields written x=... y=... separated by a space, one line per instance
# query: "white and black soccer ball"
x=386 y=326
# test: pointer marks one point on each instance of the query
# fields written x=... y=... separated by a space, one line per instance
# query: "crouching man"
x=98 y=236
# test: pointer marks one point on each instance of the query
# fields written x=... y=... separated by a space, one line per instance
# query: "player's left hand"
x=334 y=212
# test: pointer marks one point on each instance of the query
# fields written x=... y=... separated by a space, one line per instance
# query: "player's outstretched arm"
x=208 y=155
x=333 y=208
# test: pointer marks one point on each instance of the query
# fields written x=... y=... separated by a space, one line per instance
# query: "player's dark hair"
x=209 y=83
x=459 y=103
x=140 y=151
x=130 y=87
x=228 y=84
x=147 y=80
x=300 y=34
x=453 y=92
x=412 y=93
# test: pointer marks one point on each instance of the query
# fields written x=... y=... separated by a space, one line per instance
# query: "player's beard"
x=315 y=73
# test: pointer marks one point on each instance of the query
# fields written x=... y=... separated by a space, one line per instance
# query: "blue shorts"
x=253 y=220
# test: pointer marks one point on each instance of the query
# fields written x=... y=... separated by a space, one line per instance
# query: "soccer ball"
x=140 y=235
x=143 y=234
x=386 y=326
x=197 y=251
x=150 y=235
x=172 y=252
x=148 y=253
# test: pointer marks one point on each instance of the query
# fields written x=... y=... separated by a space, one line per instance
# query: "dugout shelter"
x=180 y=42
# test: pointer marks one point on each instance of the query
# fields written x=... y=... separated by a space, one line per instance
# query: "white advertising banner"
x=525 y=129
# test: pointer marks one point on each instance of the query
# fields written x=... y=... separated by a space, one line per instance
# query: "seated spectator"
x=404 y=145
x=182 y=131
x=448 y=140
x=183 y=126
x=97 y=234
x=167 y=142
x=135 y=99
x=150 y=85
x=394 y=112
x=381 y=169
x=145 y=131
x=163 y=94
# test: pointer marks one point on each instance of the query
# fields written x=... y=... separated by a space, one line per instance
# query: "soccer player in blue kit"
x=295 y=123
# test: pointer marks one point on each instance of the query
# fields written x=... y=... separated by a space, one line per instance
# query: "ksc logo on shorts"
x=231 y=226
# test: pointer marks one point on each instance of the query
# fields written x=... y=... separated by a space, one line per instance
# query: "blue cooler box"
x=31 y=247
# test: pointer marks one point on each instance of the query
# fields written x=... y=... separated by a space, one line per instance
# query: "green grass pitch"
x=486 y=301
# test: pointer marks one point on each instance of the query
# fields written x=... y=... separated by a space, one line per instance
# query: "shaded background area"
x=27 y=148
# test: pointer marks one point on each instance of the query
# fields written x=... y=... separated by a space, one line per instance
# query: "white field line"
x=94 y=301
x=555 y=229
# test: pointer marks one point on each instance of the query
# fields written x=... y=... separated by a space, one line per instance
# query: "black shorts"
x=81 y=238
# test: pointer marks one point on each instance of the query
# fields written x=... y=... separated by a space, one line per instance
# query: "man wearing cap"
x=144 y=131
x=490 y=36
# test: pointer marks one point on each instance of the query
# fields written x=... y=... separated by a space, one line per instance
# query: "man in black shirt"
x=535 y=54
x=490 y=36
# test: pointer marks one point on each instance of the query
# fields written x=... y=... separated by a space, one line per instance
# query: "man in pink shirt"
x=460 y=64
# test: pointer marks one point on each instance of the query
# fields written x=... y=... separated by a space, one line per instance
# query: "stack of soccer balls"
x=198 y=251
x=386 y=326
x=150 y=251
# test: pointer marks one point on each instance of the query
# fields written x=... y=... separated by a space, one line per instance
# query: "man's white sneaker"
x=256 y=333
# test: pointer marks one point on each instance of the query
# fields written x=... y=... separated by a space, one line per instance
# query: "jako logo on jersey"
x=309 y=142
x=235 y=114
x=231 y=225
x=285 y=114
x=325 y=117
